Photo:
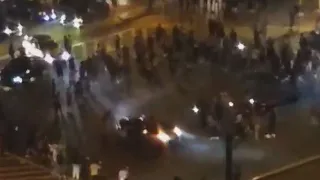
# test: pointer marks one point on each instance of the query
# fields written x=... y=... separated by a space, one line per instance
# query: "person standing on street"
x=271 y=125
x=94 y=170
x=11 y=50
x=123 y=174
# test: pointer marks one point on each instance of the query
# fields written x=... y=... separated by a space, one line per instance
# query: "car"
x=147 y=127
x=268 y=89
x=45 y=42
x=21 y=70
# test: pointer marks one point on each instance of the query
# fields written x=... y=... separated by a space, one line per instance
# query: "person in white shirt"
x=123 y=174
x=76 y=171
x=94 y=170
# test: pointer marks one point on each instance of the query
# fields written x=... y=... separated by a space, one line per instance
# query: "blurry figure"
x=124 y=174
x=69 y=98
x=11 y=50
x=293 y=14
x=76 y=171
x=233 y=37
x=118 y=46
x=271 y=125
x=66 y=43
x=54 y=149
x=57 y=105
x=256 y=121
x=160 y=31
x=53 y=87
x=94 y=170
x=150 y=43
x=71 y=64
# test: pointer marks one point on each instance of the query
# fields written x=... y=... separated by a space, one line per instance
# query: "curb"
x=287 y=167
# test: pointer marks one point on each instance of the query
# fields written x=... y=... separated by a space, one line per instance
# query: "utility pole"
x=229 y=156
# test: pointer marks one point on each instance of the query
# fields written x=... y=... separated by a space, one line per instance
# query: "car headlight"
x=145 y=131
x=17 y=80
x=177 y=131
x=162 y=136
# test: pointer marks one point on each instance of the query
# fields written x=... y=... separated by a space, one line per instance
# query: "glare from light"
x=19 y=27
x=177 y=131
x=46 y=17
x=241 y=46
x=195 y=109
x=7 y=31
x=251 y=101
x=16 y=128
x=77 y=22
x=27 y=71
x=142 y=117
x=63 y=19
x=145 y=131
x=32 y=79
x=6 y=88
x=162 y=136
x=19 y=30
x=31 y=50
x=53 y=14
x=231 y=104
x=26 y=37
x=65 y=55
x=48 y=58
x=123 y=2
x=17 y=80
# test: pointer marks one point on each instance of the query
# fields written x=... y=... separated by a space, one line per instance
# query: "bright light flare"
x=241 y=46
x=162 y=136
x=144 y=131
x=142 y=117
x=27 y=71
x=231 y=104
x=53 y=15
x=77 y=22
x=195 y=109
x=251 y=101
x=65 y=55
x=31 y=50
x=63 y=19
x=17 y=80
x=7 y=31
x=19 y=27
x=177 y=131
x=48 y=58
x=45 y=17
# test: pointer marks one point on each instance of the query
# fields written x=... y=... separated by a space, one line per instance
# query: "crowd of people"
x=182 y=51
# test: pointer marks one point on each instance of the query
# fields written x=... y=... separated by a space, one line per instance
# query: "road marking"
x=288 y=167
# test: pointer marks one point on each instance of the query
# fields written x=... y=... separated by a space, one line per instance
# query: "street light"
x=251 y=101
x=195 y=109
x=230 y=104
x=241 y=46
